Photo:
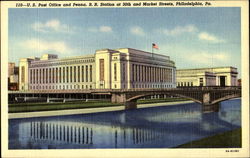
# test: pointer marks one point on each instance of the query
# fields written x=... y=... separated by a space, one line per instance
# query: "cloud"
x=104 y=29
x=209 y=37
x=178 y=30
x=45 y=46
x=53 y=25
x=207 y=58
x=136 y=30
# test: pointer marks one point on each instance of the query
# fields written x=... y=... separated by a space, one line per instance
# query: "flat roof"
x=207 y=68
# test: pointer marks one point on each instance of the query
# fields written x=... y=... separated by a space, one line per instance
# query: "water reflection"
x=142 y=128
x=63 y=133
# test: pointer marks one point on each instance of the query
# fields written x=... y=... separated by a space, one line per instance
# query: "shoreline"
x=88 y=110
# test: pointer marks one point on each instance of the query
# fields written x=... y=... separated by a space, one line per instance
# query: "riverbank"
x=229 y=139
x=88 y=110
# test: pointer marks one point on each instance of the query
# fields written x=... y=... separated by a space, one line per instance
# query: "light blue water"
x=157 y=127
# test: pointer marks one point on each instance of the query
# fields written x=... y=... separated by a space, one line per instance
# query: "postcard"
x=125 y=78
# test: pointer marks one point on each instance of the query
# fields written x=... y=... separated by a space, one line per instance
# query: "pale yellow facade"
x=218 y=76
x=124 y=68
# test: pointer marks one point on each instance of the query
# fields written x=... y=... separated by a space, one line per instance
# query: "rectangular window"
x=124 y=72
x=101 y=61
x=36 y=76
x=67 y=74
x=132 y=78
x=60 y=75
x=90 y=73
x=86 y=73
x=115 y=72
x=53 y=75
x=56 y=75
x=71 y=74
x=46 y=76
x=40 y=75
x=43 y=76
x=30 y=75
x=63 y=75
x=82 y=73
x=49 y=77
x=139 y=73
x=74 y=73
x=78 y=73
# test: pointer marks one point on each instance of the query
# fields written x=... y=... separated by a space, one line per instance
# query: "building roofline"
x=207 y=68
x=146 y=52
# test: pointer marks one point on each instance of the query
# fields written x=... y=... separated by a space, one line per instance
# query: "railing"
x=129 y=90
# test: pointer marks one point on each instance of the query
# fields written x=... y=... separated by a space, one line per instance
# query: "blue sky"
x=192 y=37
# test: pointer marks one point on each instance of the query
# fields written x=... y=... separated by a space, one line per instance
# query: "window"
x=63 y=75
x=115 y=72
x=60 y=75
x=201 y=81
x=78 y=73
x=101 y=61
x=86 y=73
x=46 y=76
x=90 y=73
x=53 y=75
x=124 y=72
x=31 y=76
x=49 y=72
x=23 y=74
x=43 y=76
x=82 y=73
x=71 y=77
x=74 y=73
x=56 y=75
x=67 y=74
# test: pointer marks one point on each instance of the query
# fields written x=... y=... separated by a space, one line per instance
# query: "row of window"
x=184 y=84
x=122 y=73
x=151 y=86
x=141 y=73
x=66 y=74
x=36 y=64
x=63 y=87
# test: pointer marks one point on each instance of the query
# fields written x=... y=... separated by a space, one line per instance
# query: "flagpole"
x=152 y=50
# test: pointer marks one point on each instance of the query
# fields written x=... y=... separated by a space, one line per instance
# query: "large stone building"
x=123 y=68
x=218 y=76
x=12 y=76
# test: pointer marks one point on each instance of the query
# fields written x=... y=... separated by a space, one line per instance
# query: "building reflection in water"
x=184 y=115
x=77 y=134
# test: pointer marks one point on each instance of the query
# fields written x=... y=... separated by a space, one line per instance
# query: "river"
x=155 y=127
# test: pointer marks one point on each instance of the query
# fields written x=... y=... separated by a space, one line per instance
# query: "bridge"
x=209 y=97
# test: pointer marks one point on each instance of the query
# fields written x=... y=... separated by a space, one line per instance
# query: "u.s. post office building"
x=124 y=68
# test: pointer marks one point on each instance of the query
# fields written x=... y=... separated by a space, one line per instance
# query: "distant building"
x=123 y=68
x=218 y=76
x=239 y=82
x=12 y=76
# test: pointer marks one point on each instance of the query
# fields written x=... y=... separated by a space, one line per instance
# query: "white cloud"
x=179 y=30
x=209 y=37
x=206 y=58
x=100 y=29
x=53 y=25
x=105 y=29
x=136 y=30
x=45 y=46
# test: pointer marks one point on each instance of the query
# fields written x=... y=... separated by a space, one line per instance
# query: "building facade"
x=218 y=76
x=123 y=68
x=12 y=76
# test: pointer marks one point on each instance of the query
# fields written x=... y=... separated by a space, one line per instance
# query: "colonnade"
x=59 y=75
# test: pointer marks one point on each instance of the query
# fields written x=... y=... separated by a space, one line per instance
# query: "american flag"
x=155 y=46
